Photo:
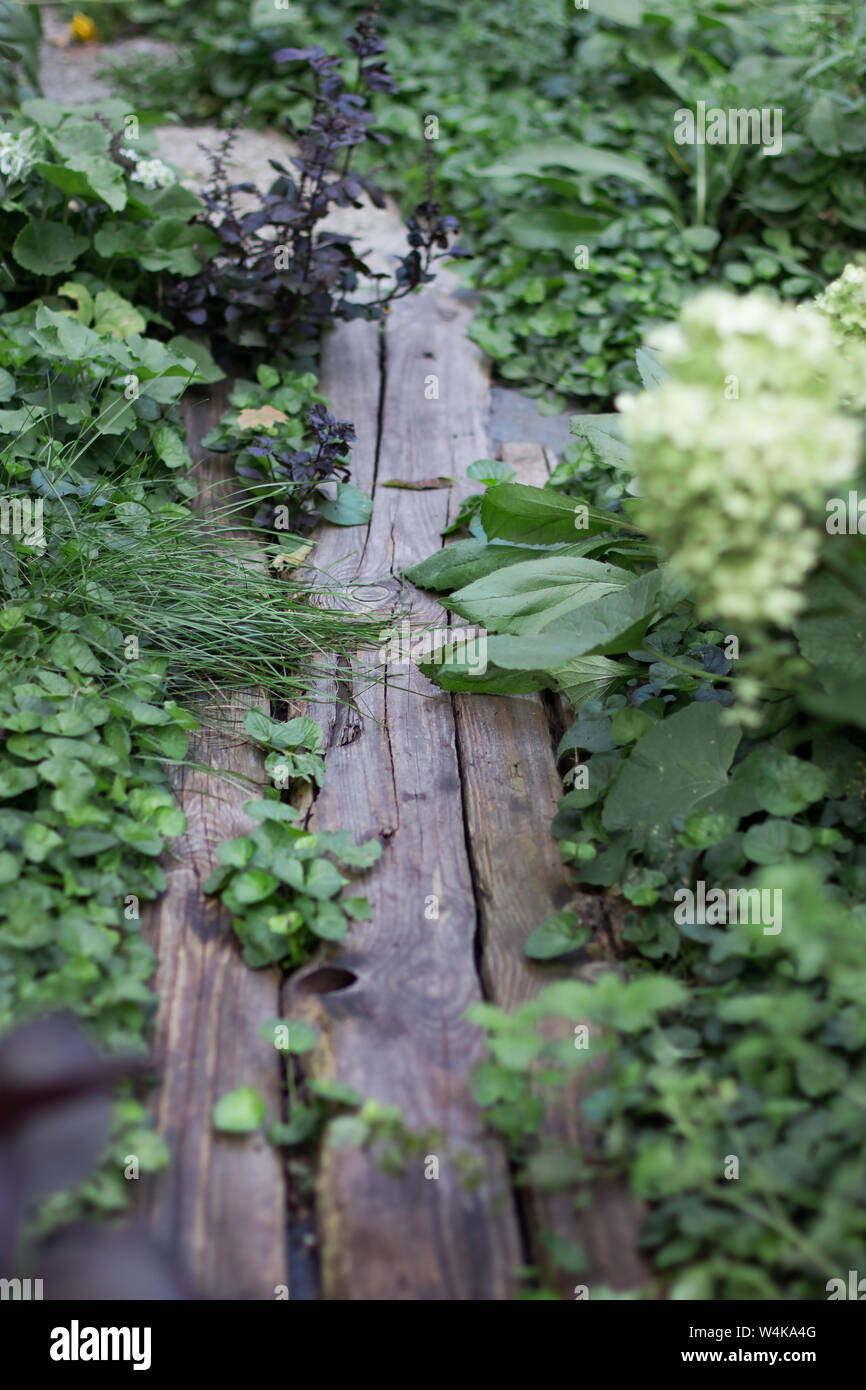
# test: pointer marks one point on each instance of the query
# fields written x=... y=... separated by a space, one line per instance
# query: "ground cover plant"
x=690 y=580
x=577 y=244
x=121 y=606
x=717 y=750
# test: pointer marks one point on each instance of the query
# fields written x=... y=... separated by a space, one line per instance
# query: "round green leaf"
x=240 y=1111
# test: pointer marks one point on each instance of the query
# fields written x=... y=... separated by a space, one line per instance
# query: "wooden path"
x=461 y=791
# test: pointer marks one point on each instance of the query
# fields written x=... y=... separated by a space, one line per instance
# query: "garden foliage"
x=716 y=671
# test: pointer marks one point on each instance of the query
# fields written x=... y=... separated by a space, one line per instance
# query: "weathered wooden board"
x=220 y=1206
x=511 y=787
x=397 y=1033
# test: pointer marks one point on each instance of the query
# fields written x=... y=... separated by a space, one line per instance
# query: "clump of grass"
x=197 y=592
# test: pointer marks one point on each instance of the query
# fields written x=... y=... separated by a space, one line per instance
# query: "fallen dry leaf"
x=422 y=484
x=289 y=559
x=260 y=419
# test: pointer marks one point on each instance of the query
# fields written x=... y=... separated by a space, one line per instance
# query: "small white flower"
x=153 y=173
x=17 y=155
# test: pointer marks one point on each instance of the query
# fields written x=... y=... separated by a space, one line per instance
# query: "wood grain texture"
x=220 y=1205
x=511 y=788
x=397 y=1033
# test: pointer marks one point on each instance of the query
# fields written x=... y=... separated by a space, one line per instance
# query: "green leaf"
x=648 y=364
x=240 y=1111
x=774 y=841
x=680 y=763
x=516 y=1051
x=536 y=594
x=604 y=433
x=150 y=1148
x=701 y=239
x=540 y=516
x=824 y=124
x=206 y=368
x=104 y=177
x=347 y=1132
x=357 y=908
x=463 y=562
x=47 y=248
x=71 y=289
x=114 y=315
x=270 y=810
x=536 y=156
x=323 y=879
x=253 y=885
x=38 y=841
x=557 y=936
x=591 y=678
x=301 y=732
x=330 y=922
x=629 y=724
x=546 y=226
x=350 y=506
x=170 y=447
x=820 y=1072
x=490 y=471
x=67 y=650
x=786 y=785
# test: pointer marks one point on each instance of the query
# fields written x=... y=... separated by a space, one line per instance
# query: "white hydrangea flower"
x=17 y=154
x=736 y=450
x=152 y=173
x=844 y=301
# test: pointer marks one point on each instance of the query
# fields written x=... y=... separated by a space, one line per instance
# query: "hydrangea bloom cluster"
x=844 y=302
x=153 y=173
x=738 y=449
x=17 y=154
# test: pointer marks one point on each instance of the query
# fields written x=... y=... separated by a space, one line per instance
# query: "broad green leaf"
x=547 y=227
x=588 y=678
x=490 y=471
x=604 y=433
x=463 y=562
x=537 y=156
x=350 y=506
x=617 y=621
x=540 y=516
x=650 y=368
x=115 y=315
x=824 y=124
x=536 y=594
x=170 y=447
x=47 y=248
x=679 y=764
x=253 y=885
x=329 y=922
x=323 y=879
x=787 y=785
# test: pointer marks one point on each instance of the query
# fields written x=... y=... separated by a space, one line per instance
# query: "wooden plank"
x=220 y=1206
x=511 y=788
x=397 y=1032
